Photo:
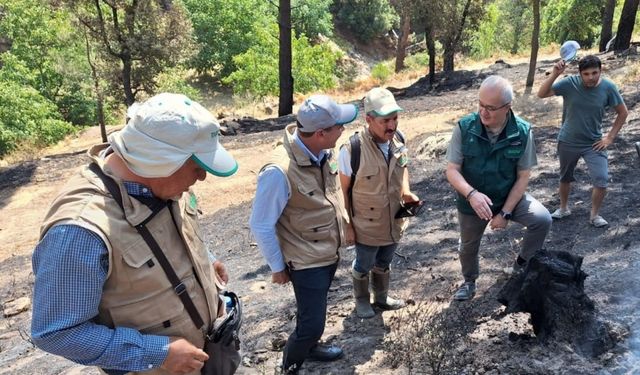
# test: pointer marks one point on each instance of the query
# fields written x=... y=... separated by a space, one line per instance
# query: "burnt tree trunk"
x=431 y=49
x=401 y=48
x=551 y=289
x=452 y=42
x=97 y=90
x=535 y=38
x=607 y=24
x=626 y=24
x=285 y=103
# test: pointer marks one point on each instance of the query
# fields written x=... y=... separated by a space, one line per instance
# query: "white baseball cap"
x=381 y=102
x=321 y=112
x=569 y=50
x=165 y=131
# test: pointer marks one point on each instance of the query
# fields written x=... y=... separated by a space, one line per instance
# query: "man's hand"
x=559 y=67
x=183 y=357
x=481 y=205
x=498 y=222
x=281 y=277
x=350 y=235
x=602 y=144
x=221 y=272
x=409 y=197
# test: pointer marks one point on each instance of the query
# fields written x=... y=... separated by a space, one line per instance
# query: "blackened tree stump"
x=551 y=289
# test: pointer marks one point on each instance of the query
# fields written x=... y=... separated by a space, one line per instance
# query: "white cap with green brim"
x=167 y=130
x=380 y=102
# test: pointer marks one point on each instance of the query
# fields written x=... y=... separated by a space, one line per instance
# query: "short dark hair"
x=588 y=62
x=303 y=134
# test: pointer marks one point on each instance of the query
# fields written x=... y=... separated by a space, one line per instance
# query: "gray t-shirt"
x=454 y=151
x=584 y=108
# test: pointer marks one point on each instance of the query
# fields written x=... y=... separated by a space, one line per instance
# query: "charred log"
x=551 y=289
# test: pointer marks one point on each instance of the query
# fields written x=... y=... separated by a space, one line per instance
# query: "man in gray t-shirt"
x=585 y=99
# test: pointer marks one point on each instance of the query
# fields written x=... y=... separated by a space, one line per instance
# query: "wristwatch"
x=506 y=215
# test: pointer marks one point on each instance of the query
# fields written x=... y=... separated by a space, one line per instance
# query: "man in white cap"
x=373 y=195
x=585 y=96
x=298 y=221
x=102 y=294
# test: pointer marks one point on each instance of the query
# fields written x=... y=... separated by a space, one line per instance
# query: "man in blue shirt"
x=101 y=297
x=585 y=98
x=298 y=220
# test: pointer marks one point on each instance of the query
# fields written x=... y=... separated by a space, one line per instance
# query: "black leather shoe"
x=325 y=353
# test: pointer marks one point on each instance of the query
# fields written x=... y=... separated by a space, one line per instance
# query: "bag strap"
x=178 y=286
x=354 y=141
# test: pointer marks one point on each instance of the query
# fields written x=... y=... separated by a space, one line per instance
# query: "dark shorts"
x=596 y=162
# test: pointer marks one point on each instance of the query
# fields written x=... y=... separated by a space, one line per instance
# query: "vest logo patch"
x=193 y=201
x=513 y=152
x=333 y=167
x=403 y=160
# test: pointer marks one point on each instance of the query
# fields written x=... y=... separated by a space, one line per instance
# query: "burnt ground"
x=480 y=338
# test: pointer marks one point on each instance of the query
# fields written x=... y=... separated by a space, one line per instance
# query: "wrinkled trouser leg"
x=311 y=287
x=471 y=230
x=537 y=220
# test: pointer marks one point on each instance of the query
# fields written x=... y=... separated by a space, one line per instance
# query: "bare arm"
x=407 y=195
x=545 y=89
x=478 y=200
x=605 y=142
x=350 y=235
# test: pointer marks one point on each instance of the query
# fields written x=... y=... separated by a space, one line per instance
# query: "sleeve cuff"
x=156 y=351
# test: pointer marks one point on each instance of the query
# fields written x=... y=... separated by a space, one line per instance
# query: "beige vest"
x=310 y=229
x=137 y=292
x=377 y=192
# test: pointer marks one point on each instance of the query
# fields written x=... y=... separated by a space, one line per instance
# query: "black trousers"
x=311 y=287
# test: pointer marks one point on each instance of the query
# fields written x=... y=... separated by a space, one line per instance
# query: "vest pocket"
x=145 y=314
x=367 y=178
x=368 y=206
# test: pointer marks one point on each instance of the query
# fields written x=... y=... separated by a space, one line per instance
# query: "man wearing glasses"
x=489 y=159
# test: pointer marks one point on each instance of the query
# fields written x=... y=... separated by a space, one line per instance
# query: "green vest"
x=492 y=170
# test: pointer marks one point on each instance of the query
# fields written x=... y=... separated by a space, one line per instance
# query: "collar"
x=509 y=131
x=305 y=157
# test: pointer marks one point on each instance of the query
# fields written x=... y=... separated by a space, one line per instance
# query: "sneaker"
x=598 y=222
x=560 y=213
x=466 y=291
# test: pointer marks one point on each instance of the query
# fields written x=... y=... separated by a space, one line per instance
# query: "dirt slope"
x=426 y=268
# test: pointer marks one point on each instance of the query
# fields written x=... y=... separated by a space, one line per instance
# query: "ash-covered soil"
x=480 y=338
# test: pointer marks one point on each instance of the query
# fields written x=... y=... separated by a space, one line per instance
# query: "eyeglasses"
x=491 y=108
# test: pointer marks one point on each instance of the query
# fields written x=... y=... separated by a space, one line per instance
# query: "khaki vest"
x=377 y=192
x=137 y=292
x=311 y=227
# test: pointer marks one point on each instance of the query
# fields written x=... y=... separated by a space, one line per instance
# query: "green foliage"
x=417 y=61
x=47 y=54
x=483 y=41
x=381 y=72
x=223 y=29
x=257 y=73
x=366 y=18
x=506 y=26
x=577 y=20
x=27 y=117
x=312 y=17
x=176 y=80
